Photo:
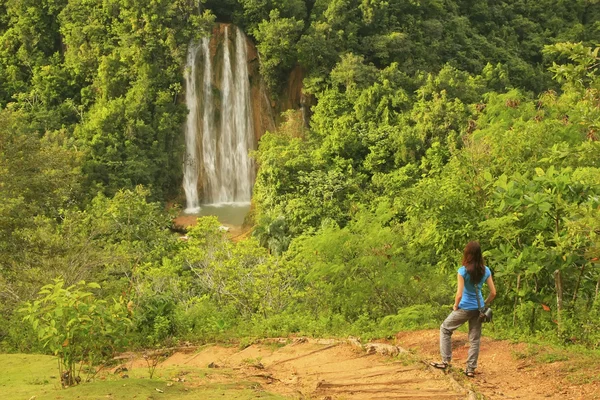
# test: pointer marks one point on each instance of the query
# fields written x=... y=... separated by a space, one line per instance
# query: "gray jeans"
x=455 y=320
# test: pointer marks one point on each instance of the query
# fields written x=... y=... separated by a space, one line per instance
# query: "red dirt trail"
x=339 y=370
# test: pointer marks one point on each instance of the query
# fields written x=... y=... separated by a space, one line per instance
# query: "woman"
x=466 y=307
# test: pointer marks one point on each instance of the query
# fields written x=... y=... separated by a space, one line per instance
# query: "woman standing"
x=471 y=276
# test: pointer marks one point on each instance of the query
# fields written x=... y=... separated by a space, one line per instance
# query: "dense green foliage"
x=435 y=122
x=420 y=35
x=451 y=162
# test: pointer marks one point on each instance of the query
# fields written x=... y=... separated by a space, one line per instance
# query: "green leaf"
x=539 y=171
x=545 y=206
x=487 y=176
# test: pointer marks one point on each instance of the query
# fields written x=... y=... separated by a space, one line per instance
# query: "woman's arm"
x=459 y=291
x=490 y=283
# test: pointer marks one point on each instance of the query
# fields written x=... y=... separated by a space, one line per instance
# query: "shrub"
x=202 y=319
x=76 y=327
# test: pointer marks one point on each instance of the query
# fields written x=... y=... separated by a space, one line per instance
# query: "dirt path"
x=314 y=369
x=339 y=371
x=515 y=370
x=336 y=370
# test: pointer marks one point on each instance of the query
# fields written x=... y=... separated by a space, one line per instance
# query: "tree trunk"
x=535 y=290
x=516 y=299
x=559 y=299
x=532 y=323
x=578 y=283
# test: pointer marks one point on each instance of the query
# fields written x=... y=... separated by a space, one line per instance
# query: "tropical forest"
x=270 y=199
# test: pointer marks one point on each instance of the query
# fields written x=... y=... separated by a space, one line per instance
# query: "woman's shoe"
x=440 y=365
x=470 y=373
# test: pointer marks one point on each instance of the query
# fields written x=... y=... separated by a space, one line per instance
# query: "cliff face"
x=291 y=96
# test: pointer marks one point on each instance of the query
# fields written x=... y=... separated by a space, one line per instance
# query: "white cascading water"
x=209 y=140
x=190 y=170
x=225 y=193
x=227 y=169
x=243 y=118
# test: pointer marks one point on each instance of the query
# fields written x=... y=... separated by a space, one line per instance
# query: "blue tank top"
x=469 y=299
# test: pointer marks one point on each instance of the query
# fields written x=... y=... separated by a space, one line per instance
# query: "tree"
x=76 y=327
x=276 y=39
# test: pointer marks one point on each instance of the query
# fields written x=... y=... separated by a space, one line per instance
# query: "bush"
x=76 y=327
x=419 y=316
x=202 y=319
x=18 y=337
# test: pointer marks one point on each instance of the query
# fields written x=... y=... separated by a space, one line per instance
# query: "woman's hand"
x=455 y=307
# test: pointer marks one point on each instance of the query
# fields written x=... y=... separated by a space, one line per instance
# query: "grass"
x=553 y=357
x=579 y=365
x=406 y=359
x=252 y=361
x=24 y=376
x=531 y=351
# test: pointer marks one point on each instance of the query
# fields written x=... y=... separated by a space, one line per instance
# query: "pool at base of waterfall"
x=227 y=213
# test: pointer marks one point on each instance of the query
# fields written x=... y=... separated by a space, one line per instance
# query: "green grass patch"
x=552 y=357
x=532 y=350
x=24 y=376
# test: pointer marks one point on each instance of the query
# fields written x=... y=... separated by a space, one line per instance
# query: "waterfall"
x=226 y=128
x=190 y=170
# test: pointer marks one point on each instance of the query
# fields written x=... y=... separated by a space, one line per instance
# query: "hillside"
x=360 y=146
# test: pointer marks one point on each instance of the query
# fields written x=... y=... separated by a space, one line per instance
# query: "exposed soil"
x=234 y=232
x=515 y=370
x=335 y=370
x=317 y=369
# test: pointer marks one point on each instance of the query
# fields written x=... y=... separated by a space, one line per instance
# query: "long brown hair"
x=473 y=261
